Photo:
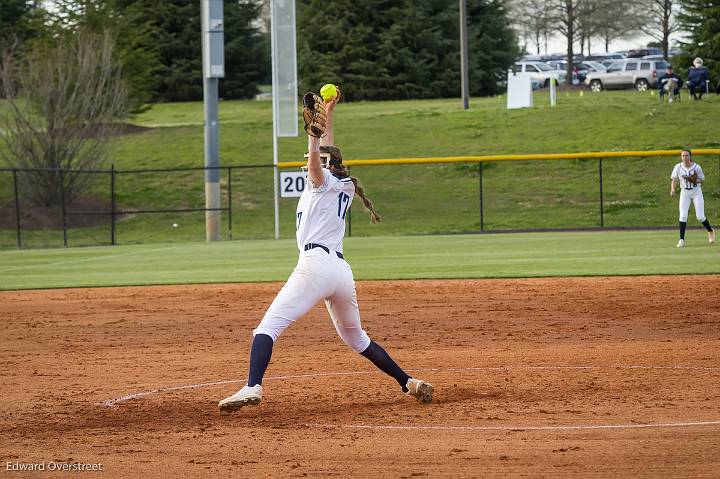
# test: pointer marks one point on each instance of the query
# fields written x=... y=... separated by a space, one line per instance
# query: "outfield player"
x=321 y=273
x=690 y=177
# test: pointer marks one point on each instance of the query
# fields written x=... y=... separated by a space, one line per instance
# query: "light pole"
x=464 y=82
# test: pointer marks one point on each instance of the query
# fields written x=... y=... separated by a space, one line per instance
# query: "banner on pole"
x=284 y=67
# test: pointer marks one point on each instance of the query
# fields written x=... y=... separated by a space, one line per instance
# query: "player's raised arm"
x=314 y=165
x=315 y=118
x=329 y=138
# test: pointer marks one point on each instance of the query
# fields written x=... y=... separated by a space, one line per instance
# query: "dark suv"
x=639 y=73
x=643 y=52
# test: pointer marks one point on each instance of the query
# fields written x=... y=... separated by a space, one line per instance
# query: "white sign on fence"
x=292 y=183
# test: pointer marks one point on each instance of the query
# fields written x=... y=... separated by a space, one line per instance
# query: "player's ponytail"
x=374 y=216
x=341 y=170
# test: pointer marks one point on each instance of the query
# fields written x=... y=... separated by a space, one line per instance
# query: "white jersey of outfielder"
x=321 y=271
x=320 y=215
x=680 y=171
x=689 y=193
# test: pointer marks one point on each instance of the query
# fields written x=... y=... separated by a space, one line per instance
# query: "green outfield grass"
x=433 y=199
x=606 y=121
x=457 y=256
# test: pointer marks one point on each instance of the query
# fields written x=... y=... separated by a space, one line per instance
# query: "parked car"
x=593 y=66
x=549 y=57
x=536 y=58
x=582 y=68
x=610 y=57
x=539 y=71
x=643 y=52
x=638 y=73
x=671 y=53
x=608 y=62
x=561 y=66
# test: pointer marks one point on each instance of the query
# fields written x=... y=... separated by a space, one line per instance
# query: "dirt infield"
x=602 y=377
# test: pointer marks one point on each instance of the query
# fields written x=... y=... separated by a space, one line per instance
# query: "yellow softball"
x=328 y=91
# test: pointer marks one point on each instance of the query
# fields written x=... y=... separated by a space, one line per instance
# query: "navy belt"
x=310 y=246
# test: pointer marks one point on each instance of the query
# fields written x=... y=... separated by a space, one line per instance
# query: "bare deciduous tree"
x=585 y=28
x=62 y=108
x=659 y=21
x=617 y=19
x=587 y=25
x=533 y=18
x=566 y=19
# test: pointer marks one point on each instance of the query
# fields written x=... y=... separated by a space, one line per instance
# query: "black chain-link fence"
x=168 y=205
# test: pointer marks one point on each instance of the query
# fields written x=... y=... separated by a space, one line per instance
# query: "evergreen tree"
x=493 y=46
x=180 y=47
x=702 y=19
x=160 y=44
x=421 y=51
x=130 y=23
x=20 y=21
x=337 y=43
x=382 y=49
x=247 y=55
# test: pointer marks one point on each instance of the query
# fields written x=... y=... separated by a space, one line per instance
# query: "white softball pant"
x=318 y=275
x=695 y=197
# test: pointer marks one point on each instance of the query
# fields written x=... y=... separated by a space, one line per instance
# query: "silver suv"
x=639 y=73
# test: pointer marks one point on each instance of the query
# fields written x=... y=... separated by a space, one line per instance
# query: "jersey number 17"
x=343 y=203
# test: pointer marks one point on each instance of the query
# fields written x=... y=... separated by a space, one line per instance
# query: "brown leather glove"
x=314 y=115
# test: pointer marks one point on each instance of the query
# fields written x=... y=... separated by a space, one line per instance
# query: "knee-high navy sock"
x=260 y=355
x=706 y=224
x=683 y=225
x=380 y=358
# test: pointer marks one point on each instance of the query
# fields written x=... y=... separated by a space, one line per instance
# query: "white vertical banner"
x=284 y=67
x=284 y=83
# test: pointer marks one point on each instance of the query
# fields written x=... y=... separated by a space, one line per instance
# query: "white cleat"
x=420 y=390
x=711 y=236
x=681 y=243
x=247 y=396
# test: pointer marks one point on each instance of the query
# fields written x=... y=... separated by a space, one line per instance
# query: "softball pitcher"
x=690 y=177
x=321 y=271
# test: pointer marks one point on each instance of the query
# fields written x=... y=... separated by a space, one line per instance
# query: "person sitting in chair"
x=669 y=83
x=697 y=78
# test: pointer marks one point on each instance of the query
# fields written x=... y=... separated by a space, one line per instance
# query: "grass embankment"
x=391 y=257
x=419 y=199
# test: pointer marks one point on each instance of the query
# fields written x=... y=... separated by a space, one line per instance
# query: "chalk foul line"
x=518 y=428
